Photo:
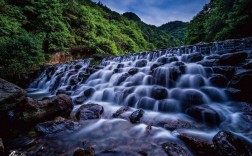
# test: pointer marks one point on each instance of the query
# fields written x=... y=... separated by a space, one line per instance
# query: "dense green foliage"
x=176 y=29
x=33 y=29
x=220 y=20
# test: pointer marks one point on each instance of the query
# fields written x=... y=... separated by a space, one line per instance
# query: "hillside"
x=176 y=29
x=221 y=19
x=32 y=30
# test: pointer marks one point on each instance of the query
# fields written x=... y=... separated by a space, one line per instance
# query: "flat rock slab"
x=10 y=95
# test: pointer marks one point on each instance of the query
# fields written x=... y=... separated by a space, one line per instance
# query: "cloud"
x=157 y=12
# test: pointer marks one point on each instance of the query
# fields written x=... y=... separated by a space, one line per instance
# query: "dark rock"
x=218 y=80
x=197 y=145
x=84 y=152
x=155 y=65
x=191 y=97
x=61 y=91
x=233 y=94
x=229 y=144
x=133 y=71
x=136 y=116
x=89 y=111
x=1 y=147
x=120 y=111
x=73 y=81
x=240 y=81
x=173 y=149
x=204 y=113
x=146 y=103
x=178 y=124
x=213 y=56
x=78 y=66
x=58 y=125
x=233 y=58
x=209 y=62
x=248 y=65
x=159 y=93
x=224 y=70
x=141 y=63
x=120 y=65
x=10 y=95
x=86 y=94
x=122 y=78
x=194 y=57
x=33 y=111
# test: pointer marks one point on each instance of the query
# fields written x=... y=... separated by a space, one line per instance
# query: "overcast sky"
x=157 y=12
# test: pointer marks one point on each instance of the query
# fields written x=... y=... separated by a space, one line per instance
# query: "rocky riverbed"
x=192 y=100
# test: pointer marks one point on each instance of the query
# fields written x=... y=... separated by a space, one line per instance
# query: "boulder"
x=204 y=113
x=133 y=71
x=191 y=97
x=136 y=116
x=89 y=151
x=141 y=63
x=178 y=124
x=209 y=62
x=159 y=93
x=85 y=95
x=218 y=80
x=89 y=111
x=155 y=65
x=120 y=111
x=227 y=71
x=229 y=144
x=194 y=57
x=146 y=103
x=34 y=111
x=1 y=147
x=173 y=149
x=240 y=81
x=10 y=95
x=58 y=125
x=197 y=145
x=233 y=58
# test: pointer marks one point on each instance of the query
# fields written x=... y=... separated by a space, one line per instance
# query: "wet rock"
x=33 y=111
x=178 y=124
x=191 y=97
x=194 y=57
x=233 y=58
x=133 y=71
x=73 y=81
x=240 y=81
x=141 y=63
x=120 y=65
x=84 y=152
x=248 y=65
x=173 y=149
x=61 y=91
x=155 y=65
x=197 y=145
x=165 y=60
x=10 y=95
x=159 y=93
x=229 y=144
x=58 y=125
x=122 y=78
x=209 y=62
x=213 y=94
x=89 y=111
x=227 y=71
x=78 y=66
x=85 y=95
x=233 y=94
x=120 y=111
x=1 y=146
x=136 y=116
x=146 y=103
x=204 y=113
x=213 y=56
x=218 y=80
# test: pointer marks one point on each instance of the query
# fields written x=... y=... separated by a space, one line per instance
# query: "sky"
x=157 y=12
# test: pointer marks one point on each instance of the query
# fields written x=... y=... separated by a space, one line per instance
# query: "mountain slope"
x=221 y=19
x=42 y=27
x=176 y=29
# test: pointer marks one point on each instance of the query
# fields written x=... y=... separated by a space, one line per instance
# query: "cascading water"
x=161 y=83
